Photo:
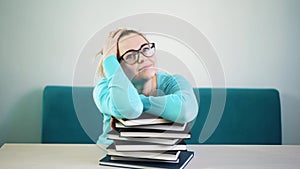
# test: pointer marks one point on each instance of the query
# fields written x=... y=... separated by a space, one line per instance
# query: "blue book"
x=184 y=158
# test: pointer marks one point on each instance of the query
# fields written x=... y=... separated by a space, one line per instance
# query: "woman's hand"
x=110 y=46
x=113 y=123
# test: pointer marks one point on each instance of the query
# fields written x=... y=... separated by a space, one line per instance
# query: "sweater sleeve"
x=115 y=95
x=176 y=100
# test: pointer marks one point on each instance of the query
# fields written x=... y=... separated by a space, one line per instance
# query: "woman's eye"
x=130 y=57
x=146 y=49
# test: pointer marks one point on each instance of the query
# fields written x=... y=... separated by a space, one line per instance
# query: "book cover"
x=184 y=158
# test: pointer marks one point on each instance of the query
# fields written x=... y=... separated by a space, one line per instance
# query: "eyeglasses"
x=132 y=56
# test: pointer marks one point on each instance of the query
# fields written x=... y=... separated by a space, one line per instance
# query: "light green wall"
x=257 y=42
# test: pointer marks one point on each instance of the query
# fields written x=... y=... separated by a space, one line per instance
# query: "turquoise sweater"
x=116 y=96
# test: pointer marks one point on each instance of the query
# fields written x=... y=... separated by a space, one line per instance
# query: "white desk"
x=86 y=156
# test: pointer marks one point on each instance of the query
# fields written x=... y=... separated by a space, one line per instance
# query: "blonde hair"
x=124 y=32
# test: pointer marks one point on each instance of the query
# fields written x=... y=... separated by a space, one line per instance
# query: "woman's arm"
x=115 y=95
x=176 y=103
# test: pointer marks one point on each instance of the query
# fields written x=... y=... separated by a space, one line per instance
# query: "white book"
x=158 y=155
x=169 y=127
x=153 y=133
x=144 y=119
x=141 y=146
x=143 y=160
x=114 y=135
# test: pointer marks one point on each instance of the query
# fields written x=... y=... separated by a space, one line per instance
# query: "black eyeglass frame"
x=152 y=45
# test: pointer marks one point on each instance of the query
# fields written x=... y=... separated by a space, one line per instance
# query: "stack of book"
x=148 y=142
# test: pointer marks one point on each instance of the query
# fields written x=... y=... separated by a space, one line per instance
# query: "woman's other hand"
x=113 y=123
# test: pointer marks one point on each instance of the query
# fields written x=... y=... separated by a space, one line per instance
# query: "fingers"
x=114 y=34
x=100 y=52
x=113 y=123
x=110 y=46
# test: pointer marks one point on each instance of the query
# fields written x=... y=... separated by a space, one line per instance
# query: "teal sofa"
x=250 y=116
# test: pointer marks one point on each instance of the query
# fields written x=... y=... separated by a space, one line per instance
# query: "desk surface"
x=79 y=156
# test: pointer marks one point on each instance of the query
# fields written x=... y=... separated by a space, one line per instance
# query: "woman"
x=131 y=84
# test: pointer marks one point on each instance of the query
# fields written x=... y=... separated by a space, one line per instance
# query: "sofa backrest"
x=65 y=111
x=250 y=116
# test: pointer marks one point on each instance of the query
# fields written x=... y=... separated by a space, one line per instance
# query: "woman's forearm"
x=115 y=95
x=180 y=105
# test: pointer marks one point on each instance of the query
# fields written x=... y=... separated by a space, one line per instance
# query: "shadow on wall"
x=290 y=105
x=23 y=122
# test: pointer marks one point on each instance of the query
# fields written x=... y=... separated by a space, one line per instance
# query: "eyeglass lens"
x=133 y=56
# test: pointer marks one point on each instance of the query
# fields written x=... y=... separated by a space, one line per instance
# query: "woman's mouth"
x=145 y=67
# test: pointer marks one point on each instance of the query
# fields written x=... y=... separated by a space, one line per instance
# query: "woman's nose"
x=141 y=58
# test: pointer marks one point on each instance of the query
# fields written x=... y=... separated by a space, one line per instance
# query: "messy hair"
x=124 y=32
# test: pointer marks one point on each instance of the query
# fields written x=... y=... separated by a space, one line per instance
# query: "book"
x=167 y=126
x=153 y=133
x=143 y=119
x=158 y=155
x=148 y=142
x=115 y=135
x=142 y=146
x=143 y=159
x=184 y=158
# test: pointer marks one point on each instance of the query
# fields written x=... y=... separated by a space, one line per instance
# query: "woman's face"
x=144 y=68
